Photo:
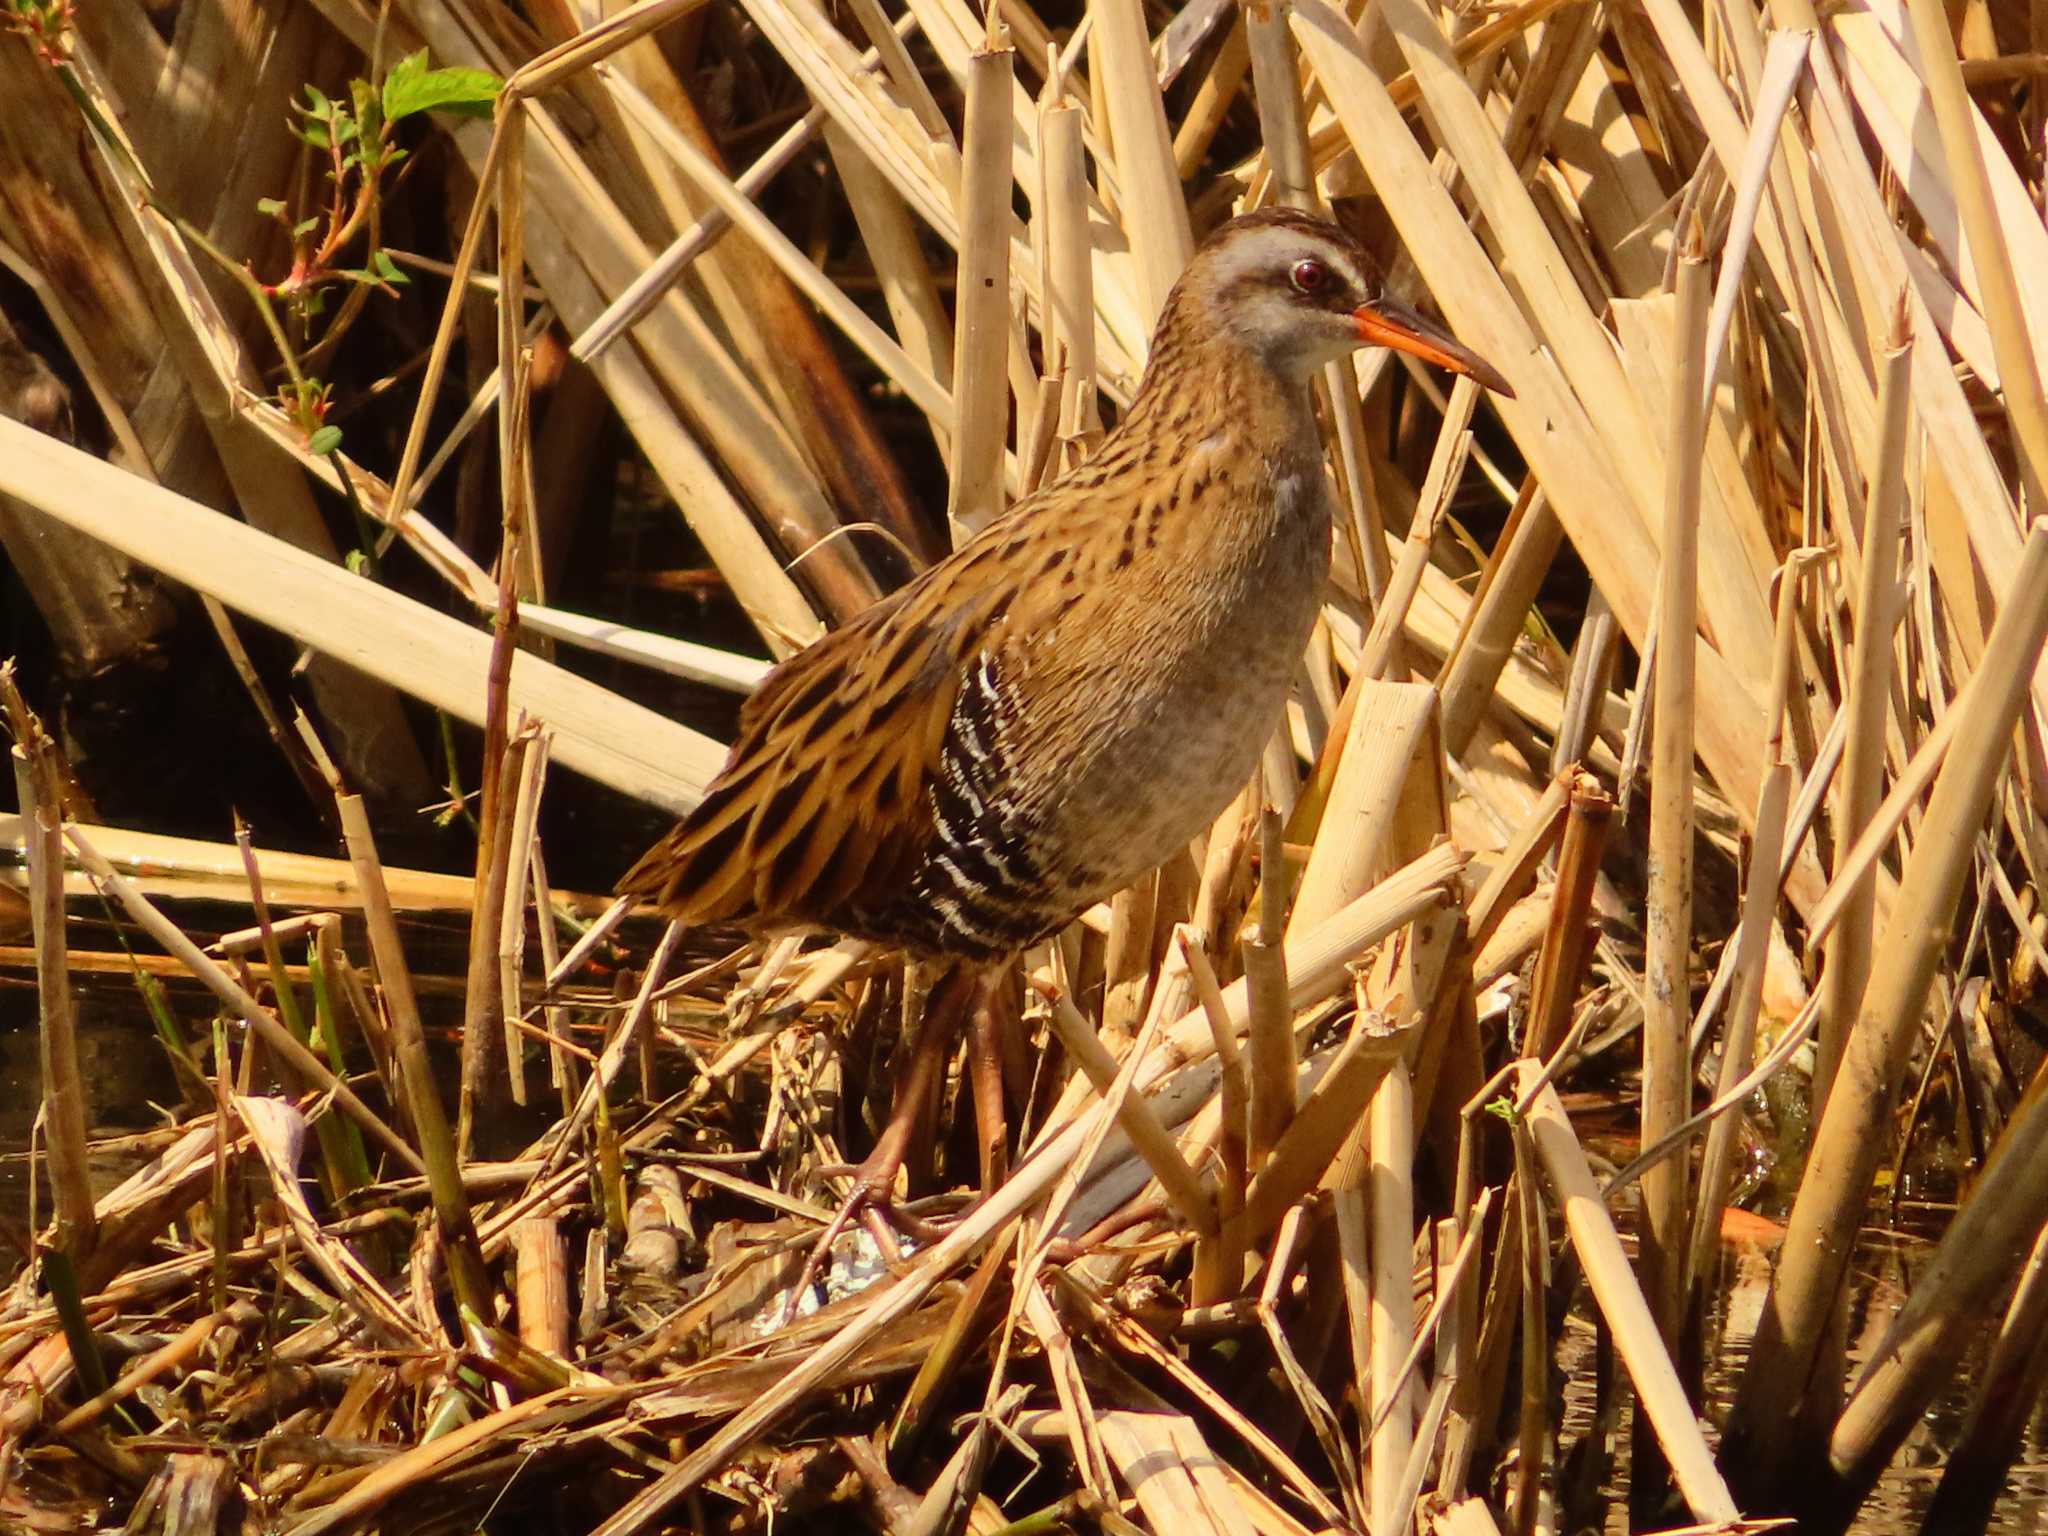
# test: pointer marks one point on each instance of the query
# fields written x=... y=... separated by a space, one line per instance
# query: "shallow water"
x=1886 y=1263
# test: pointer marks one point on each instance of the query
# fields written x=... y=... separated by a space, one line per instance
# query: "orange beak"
x=1385 y=323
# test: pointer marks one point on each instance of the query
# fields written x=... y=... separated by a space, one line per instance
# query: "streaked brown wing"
x=822 y=804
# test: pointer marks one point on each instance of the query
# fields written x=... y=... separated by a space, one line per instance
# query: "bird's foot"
x=895 y=1231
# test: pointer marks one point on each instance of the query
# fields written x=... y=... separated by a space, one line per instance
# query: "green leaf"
x=387 y=268
x=305 y=226
x=356 y=560
x=325 y=441
x=368 y=112
x=270 y=207
x=317 y=102
x=411 y=87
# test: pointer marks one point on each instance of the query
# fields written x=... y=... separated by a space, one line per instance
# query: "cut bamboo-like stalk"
x=1849 y=1142
x=1667 y=1000
x=1276 y=87
x=541 y=1284
x=1561 y=963
x=981 y=395
x=1393 y=1300
x=1848 y=958
x=1621 y=1302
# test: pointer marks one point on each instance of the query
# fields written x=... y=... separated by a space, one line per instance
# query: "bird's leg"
x=874 y=1181
x=985 y=1072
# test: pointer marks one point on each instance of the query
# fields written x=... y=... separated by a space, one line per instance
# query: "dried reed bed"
x=1282 y=1249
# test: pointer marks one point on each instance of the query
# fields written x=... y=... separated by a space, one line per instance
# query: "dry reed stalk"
x=1447 y=463
x=523 y=862
x=704 y=173
x=981 y=396
x=191 y=869
x=1566 y=452
x=441 y=1163
x=1866 y=705
x=2026 y=406
x=1223 y=1272
x=1391 y=736
x=1667 y=1012
x=39 y=794
x=1283 y=129
x=1154 y=213
x=433 y=657
x=1269 y=1040
x=1191 y=1201
x=484 y=1008
x=1738 y=1039
x=1392 y=1140
x=1636 y=1332
x=1520 y=560
x=1062 y=214
x=1848 y=1143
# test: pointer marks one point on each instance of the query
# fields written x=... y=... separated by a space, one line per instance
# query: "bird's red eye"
x=1309 y=276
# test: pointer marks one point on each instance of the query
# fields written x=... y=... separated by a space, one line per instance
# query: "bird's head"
x=1297 y=292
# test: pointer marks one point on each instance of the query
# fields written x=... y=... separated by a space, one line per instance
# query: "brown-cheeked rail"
x=1062 y=704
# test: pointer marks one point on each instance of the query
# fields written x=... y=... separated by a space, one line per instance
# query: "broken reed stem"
x=981 y=390
x=1069 y=264
x=1860 y=779
x=1183 y=1188
x=1667 y=999
x=1224 y=1274
x=1270 y=1039
x=1392 y=1142
x=442 y=1161
x=1621 y=1302
x=64 y=1099
x=1561 y=963
x=1850 y=1140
